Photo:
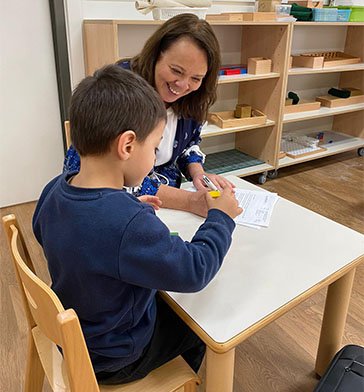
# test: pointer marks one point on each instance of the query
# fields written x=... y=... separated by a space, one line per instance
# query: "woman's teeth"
x=173 y=91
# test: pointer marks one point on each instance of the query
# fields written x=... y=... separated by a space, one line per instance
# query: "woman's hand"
x=219 y=181
x=154 y=201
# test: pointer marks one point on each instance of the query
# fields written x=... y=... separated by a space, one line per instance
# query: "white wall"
x=31 y=149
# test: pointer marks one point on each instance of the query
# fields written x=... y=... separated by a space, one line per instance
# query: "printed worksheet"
x=257 y=205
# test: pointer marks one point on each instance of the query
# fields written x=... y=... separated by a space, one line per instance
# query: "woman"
x=181 y=61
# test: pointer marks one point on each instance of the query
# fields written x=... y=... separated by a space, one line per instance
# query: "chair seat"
x=169 y=377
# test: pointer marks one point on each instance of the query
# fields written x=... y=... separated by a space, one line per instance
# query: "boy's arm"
x=151 y=257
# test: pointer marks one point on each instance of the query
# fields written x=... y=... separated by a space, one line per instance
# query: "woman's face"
x=180 y=70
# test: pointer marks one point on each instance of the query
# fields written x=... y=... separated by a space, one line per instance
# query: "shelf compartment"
x=322 y=112
x=340 y=143
x=210 y=130
x=233 y=161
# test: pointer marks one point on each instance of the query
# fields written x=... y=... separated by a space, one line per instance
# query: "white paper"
x=257 y=207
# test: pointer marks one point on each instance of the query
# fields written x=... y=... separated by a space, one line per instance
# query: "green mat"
x=225 y=161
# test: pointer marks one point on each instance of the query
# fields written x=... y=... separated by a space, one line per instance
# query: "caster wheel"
x=361 y=151
x=262 y=178
x=272 y=174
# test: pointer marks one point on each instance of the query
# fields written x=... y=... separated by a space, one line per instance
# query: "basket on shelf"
x=357 y=13
x=343 y=15
x=325 y=14
x=167 y=13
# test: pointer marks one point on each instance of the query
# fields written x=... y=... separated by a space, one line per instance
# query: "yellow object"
x=214 y=194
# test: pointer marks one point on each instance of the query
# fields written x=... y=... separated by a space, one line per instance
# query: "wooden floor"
x=281 y=356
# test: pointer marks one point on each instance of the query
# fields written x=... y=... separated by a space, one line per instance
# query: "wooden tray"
x=227 y=119
x=334 y=102
x=324 y=59
x=302 y=106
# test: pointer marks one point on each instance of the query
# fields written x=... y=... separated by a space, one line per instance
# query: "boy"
x=107 y=252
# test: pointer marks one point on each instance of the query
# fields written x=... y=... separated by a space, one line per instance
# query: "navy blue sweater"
x=107 y=255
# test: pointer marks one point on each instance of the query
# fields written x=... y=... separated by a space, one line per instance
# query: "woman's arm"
x=180 y=199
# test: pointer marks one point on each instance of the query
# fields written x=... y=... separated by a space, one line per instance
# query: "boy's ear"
x=125 y=144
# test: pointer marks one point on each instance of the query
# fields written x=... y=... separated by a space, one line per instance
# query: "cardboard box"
x=259 y=65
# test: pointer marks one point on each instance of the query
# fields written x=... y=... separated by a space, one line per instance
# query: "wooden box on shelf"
x=241 y=16
x=324 y=59
x=267 y=5
x=302 y=106
x=308 y=61
x=308 y=3
x=331 y=101
x=227 y=119
x=259 y=65
x=243 y=111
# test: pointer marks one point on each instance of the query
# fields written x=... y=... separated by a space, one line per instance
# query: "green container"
x=357 y=13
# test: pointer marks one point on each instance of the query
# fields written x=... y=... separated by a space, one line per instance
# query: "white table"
x=266 y=273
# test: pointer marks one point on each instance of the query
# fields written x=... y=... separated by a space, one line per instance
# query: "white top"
x=165 y=149
x=264 y=269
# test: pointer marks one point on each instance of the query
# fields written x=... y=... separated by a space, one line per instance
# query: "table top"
x=266 y=272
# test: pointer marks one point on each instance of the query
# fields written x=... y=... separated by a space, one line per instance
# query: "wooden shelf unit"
x=104 y=42
x=348 y=120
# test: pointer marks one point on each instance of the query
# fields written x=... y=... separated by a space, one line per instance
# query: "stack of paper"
x=257 y=207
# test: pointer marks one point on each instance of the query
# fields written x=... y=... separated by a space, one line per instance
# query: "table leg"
x=220 y=371
x=334 y=318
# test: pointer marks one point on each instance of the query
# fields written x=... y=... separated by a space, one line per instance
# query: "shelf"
x=345 y=143
x=322 y=112
x=160 y=22
x=209 y=130
x=329 y=24
x=247 y=77
x=343 y=68
x=234 y=162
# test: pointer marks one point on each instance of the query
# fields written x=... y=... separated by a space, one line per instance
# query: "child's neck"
x=98 y=172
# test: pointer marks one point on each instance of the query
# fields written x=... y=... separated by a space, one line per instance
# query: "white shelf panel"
x=343 y=68
x=209 y=130
x=223 y=79
x=322 y=112
x=336 y=148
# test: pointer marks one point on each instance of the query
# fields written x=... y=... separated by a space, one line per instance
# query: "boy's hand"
x=226 y=202
x=154 y=201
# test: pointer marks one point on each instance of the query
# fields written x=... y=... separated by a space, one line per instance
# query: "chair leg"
x=34 y=374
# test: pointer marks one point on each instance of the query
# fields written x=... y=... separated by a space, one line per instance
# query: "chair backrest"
x=67 y=130
x=47 y=318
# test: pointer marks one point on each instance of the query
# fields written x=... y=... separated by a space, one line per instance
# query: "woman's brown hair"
x=194 y=105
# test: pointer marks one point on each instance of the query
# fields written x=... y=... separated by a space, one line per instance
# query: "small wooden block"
x=259 y=65
x=243 y=111
x=288 y=102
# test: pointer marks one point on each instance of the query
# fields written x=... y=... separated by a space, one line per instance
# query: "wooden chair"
x=50 y=325
x=67 y=130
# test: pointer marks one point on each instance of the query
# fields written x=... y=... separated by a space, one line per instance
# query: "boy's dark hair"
x=109 y=103
x=195 y=104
